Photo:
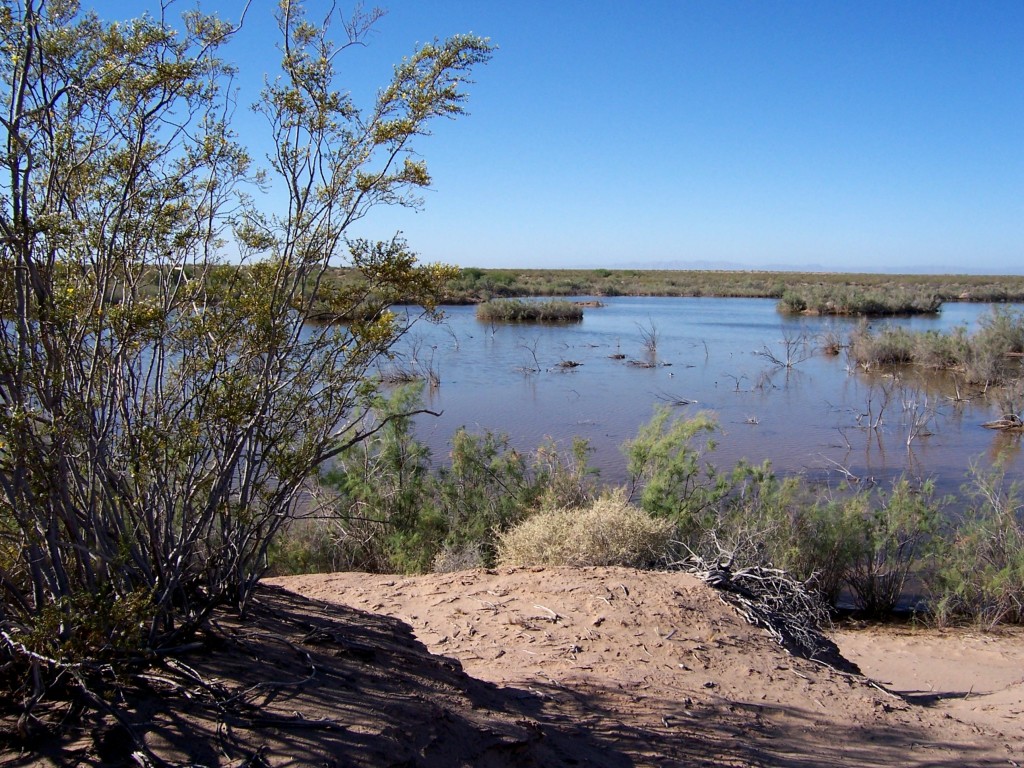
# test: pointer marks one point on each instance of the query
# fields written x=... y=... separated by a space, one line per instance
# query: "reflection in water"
x=1005 y=449
x=775 y=393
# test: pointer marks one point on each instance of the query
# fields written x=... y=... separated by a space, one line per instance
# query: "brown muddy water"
x=818 y=416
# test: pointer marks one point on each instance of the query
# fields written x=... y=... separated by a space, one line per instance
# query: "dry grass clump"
x=609 y=532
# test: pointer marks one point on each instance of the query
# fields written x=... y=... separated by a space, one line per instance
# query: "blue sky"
x=846 y=136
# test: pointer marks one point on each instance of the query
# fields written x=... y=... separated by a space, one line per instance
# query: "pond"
x=818 y=416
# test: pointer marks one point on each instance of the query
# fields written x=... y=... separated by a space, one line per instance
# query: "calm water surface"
x=815 y=417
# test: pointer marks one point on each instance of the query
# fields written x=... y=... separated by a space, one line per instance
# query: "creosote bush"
x=610 y=531
x=162 y=411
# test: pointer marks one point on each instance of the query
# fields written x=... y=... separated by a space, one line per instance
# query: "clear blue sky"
x=846 y=136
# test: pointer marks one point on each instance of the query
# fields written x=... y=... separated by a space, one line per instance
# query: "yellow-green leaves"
x=167 y=394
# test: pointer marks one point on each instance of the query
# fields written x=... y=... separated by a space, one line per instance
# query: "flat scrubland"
x=817 y=292
x=475 y=284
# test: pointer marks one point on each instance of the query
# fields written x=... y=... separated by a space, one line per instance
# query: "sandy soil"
x=658 y=671
x=977 y=678
x=540 y=667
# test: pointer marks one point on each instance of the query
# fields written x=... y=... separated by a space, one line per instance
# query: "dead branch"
x=671 y=399
x=769 y=598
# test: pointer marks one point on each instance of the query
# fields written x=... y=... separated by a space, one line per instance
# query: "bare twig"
x=771 y=599
x=671 y=399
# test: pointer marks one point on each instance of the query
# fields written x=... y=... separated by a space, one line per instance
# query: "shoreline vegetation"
x=522 y=311
x=850 y=300
x=832 y=293
x=392 y=509
x=992 y=356
x=345 y=295
x=474 y=285
x=489 y=504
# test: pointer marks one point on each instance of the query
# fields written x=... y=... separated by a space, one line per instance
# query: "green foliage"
x=818 y=541
x=517 y=311
x=394 y=512
x=1002 y=331
x=474 y=284
x=854 y=300
x=668 y=466
x=919 y=292
x=992 y=355
x=487 y=487
x=90 y=627
x=319 y=544
x=942 y=351
x=891 y=539
x=890 y=346
x=163 y=411
x=385 y=481
x=995 y=350
x=978 y=571
x=869 y=542
x=792 y=302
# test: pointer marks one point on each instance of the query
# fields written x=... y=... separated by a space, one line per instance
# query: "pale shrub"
x=609 y=532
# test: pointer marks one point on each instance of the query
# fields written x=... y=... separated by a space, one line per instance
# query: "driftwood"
x=773 y=600
x=1011 y=422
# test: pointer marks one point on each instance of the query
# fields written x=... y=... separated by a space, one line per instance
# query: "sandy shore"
x=539 y=667
x=975 y=677
x=660 y=669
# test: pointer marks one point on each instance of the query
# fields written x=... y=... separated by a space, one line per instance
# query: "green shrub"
x=1002 y=331
x=488 y=487
x=520 y=311
x=820 y=543
x=384 y=497
x=891 y=538
x=890 y=346
x=995 y=349
x=608 y=532
x=748 y=518
x=868 y=542
x=978 y=573
x=90 y=627
x=941 y=351
x=393 y=511
x=668 y=467
x=312 y=546
x=841 y=299
x=992 y=355
x=163 y=412
x=792 y=302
